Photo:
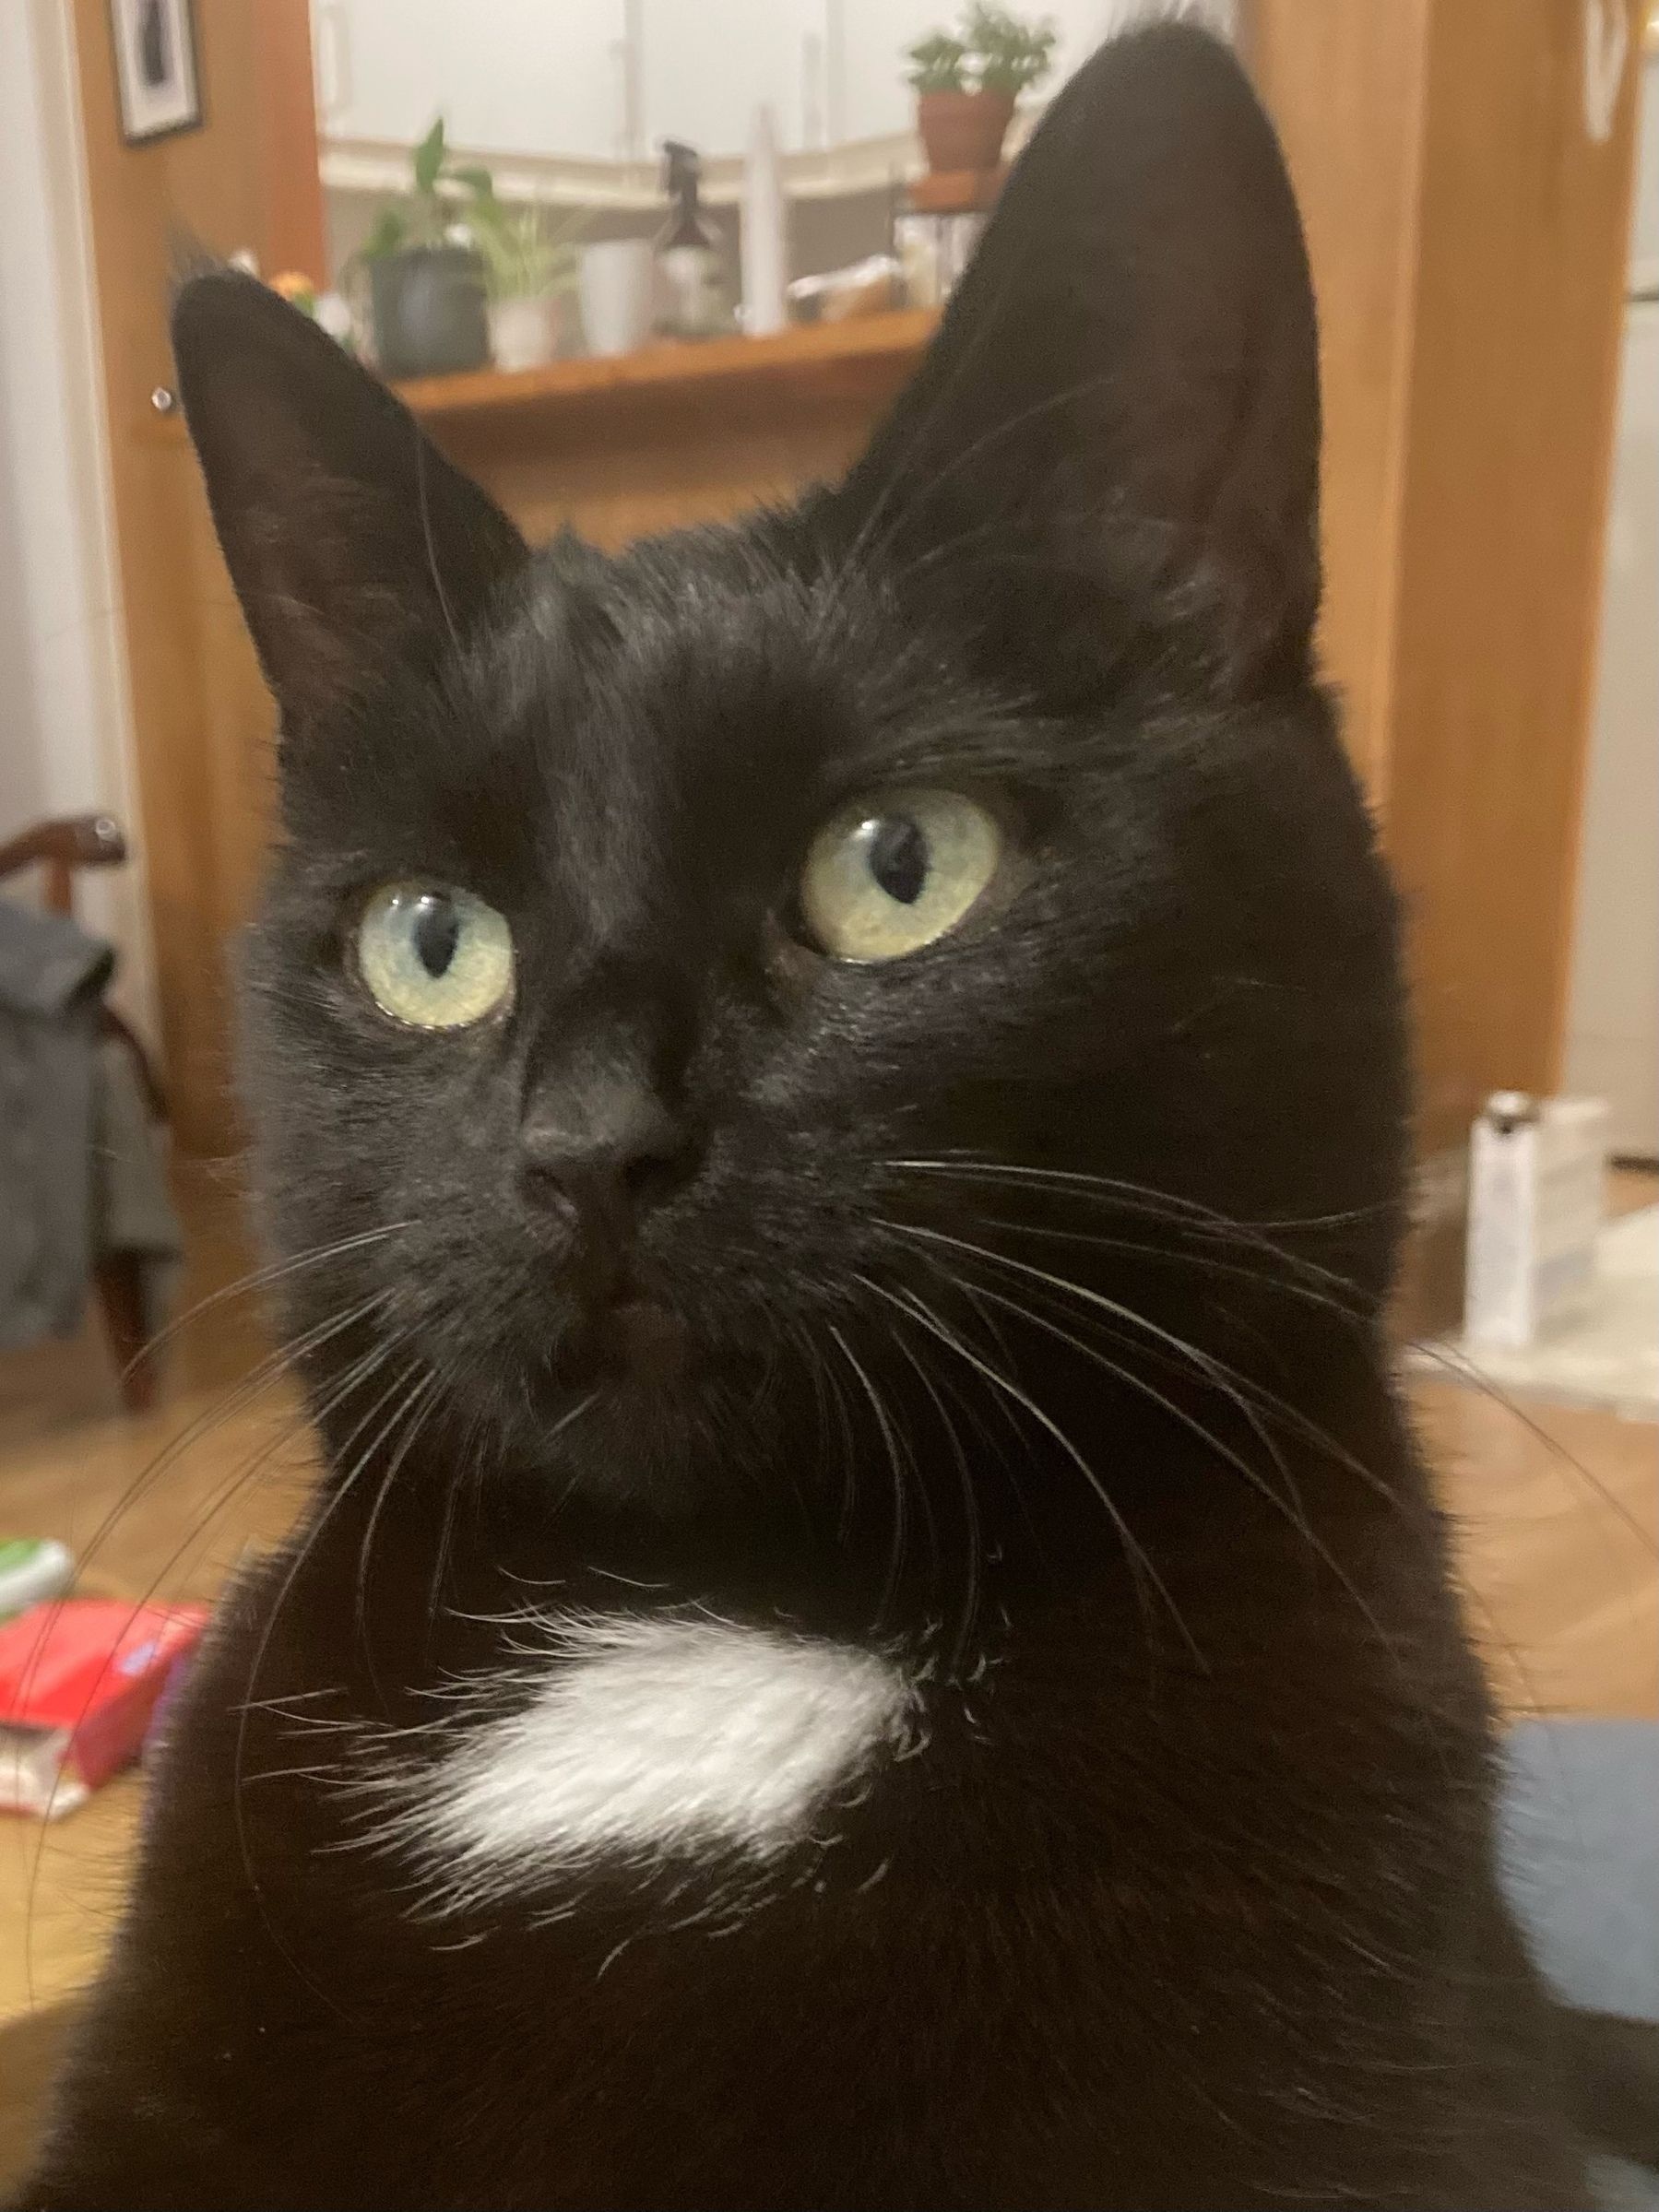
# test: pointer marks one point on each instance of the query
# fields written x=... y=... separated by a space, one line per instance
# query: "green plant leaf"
x=429 y=158
x=475 y=178
x=938 y=63
x=389 y=232
x=1011 y=53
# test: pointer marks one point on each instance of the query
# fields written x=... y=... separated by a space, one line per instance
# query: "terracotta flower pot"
x=964 y=130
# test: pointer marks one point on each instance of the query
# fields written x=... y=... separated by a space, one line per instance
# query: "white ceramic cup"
x=615 y=288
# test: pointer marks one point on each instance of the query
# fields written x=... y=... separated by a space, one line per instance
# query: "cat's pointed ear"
x=351 y=540
x=1132 y=352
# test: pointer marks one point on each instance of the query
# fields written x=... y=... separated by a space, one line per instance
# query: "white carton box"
x=1536 y=1182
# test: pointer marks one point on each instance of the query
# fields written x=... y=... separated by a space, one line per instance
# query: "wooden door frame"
x=1468 y=246
x=201 y=720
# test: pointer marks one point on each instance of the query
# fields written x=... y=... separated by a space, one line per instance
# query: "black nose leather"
x=605 y=1151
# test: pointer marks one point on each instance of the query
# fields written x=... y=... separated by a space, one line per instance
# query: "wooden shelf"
x=820 y=356
x=956 y=190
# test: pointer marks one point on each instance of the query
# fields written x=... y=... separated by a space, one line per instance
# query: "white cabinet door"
x=509 y=77
x=706 y=65
x=869 y=72
x=547 y=77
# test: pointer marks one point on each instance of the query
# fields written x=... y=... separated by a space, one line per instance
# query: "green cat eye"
x=433 y=957
x=890 y=874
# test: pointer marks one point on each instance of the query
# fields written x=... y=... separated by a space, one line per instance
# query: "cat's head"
x=674 y=962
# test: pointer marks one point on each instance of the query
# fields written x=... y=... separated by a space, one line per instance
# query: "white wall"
x=64 y=727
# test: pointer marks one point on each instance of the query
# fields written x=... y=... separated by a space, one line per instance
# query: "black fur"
x=1187 y=1902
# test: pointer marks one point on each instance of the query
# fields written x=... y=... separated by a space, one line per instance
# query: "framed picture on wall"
x=155 y=67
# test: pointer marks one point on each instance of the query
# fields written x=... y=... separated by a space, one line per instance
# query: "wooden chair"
x=60 y=850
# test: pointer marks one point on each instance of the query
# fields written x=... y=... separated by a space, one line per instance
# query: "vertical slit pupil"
x=437 y=929
x=898 y=859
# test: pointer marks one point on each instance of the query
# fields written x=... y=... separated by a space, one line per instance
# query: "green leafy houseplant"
x=426 y=283
x=526 y=258
x=1012 y=55
x=938 y=63
x=967 y=82
x=441 y=193
x=529 y=268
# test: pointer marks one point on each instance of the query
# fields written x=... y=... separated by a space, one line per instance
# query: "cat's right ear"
x=351 y=540
x=1122 y=397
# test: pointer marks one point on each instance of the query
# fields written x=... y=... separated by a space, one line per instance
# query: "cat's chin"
x=622 y=1395
x=641 y=1409
x=623 y=1441
x=635 y=1343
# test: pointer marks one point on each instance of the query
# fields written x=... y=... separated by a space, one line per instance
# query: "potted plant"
x=530 y=271
x=958 y=129
x=966 y=83
x=426 y=279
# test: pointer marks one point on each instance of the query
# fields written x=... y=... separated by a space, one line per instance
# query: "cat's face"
x=672 y=954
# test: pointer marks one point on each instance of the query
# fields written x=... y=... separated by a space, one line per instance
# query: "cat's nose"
x=606 y=1154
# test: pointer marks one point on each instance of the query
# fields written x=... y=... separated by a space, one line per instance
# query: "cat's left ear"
x=351 y=540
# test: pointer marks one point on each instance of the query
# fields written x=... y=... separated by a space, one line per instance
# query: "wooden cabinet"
x=621 y=449
x=1467 y=232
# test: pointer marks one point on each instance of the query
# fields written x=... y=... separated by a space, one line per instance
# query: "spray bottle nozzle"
x=681 y=169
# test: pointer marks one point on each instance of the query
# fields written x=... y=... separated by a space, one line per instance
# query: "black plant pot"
x=429 y=311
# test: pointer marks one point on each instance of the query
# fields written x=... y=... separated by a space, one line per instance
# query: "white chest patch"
x=644 y=1740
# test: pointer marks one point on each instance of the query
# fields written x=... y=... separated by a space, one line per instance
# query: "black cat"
x=875 y=1634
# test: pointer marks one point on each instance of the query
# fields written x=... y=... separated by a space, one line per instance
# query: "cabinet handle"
x=619 y=74
x=333 y=61
x=628 y=136
x=835 y=72
x=811 y=92
x=626 y=60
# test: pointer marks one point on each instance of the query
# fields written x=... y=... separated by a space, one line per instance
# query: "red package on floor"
x=78 y=1682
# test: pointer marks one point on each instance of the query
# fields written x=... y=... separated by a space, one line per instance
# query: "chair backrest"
x=63 y=848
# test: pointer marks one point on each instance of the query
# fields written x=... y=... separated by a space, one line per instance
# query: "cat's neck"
x=1104 y=1507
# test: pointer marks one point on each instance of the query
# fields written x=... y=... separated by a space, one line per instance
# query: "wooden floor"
x=1557 y=1510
